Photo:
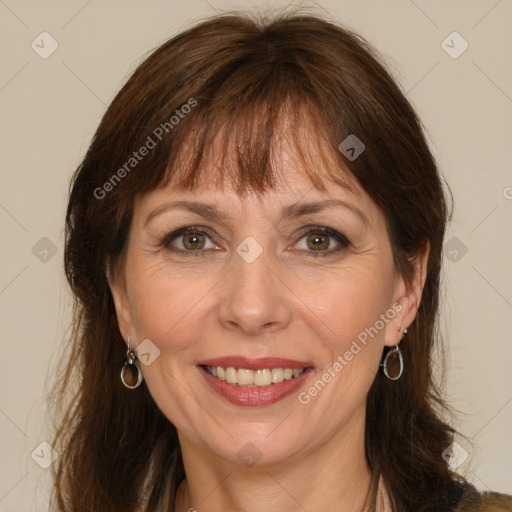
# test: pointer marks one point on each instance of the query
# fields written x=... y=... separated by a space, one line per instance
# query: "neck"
x=330 y=476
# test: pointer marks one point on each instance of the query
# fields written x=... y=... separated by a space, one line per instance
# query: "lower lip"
x=257 y=396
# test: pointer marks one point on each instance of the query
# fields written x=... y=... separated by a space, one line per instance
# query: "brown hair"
x=239 y=76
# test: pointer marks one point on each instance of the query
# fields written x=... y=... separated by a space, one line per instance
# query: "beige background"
x=51 y=107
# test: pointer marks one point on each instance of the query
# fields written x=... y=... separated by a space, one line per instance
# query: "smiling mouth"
x=245 y=377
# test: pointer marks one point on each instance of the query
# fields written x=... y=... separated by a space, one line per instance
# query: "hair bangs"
x=239 y=136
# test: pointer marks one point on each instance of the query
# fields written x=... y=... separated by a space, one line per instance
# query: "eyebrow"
x=210 y=211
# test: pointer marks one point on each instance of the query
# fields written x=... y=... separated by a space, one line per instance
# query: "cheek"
x=165 y=304
x=160 y=311
x=355 y=310
x=353 y=301
x=351 y=307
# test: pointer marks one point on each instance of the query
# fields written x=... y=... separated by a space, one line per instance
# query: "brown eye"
x=322 y=241
x=318 y=242
x=193 y=241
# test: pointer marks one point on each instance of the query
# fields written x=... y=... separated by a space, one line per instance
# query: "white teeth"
x=252 y=378
x=231 y=375
x=277 y=375
x=262 y=377
x=245 y=377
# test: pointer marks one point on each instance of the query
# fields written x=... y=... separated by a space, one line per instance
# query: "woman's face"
x=295 y=274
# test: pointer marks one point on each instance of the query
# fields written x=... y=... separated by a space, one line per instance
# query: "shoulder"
x=474 y=501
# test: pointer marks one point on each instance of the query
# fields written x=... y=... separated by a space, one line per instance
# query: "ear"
x=122 y=305
x=408 y=295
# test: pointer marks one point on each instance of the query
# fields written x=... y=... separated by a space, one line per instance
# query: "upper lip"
x=255 y=364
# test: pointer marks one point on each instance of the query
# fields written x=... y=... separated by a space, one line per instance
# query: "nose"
x=256 y=300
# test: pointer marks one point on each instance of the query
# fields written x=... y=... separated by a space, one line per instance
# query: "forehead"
x=249 y=158
x=291 y=172
x=216 y=197
x=246 y=162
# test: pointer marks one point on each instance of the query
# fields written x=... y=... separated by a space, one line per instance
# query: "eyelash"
x=343 y=241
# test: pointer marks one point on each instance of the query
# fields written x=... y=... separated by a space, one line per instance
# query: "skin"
x=285 y=304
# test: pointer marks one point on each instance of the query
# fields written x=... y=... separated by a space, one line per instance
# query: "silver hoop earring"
x=391 y=356
x=131 y=374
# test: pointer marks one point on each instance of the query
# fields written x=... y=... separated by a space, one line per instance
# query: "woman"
x=254 y=242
